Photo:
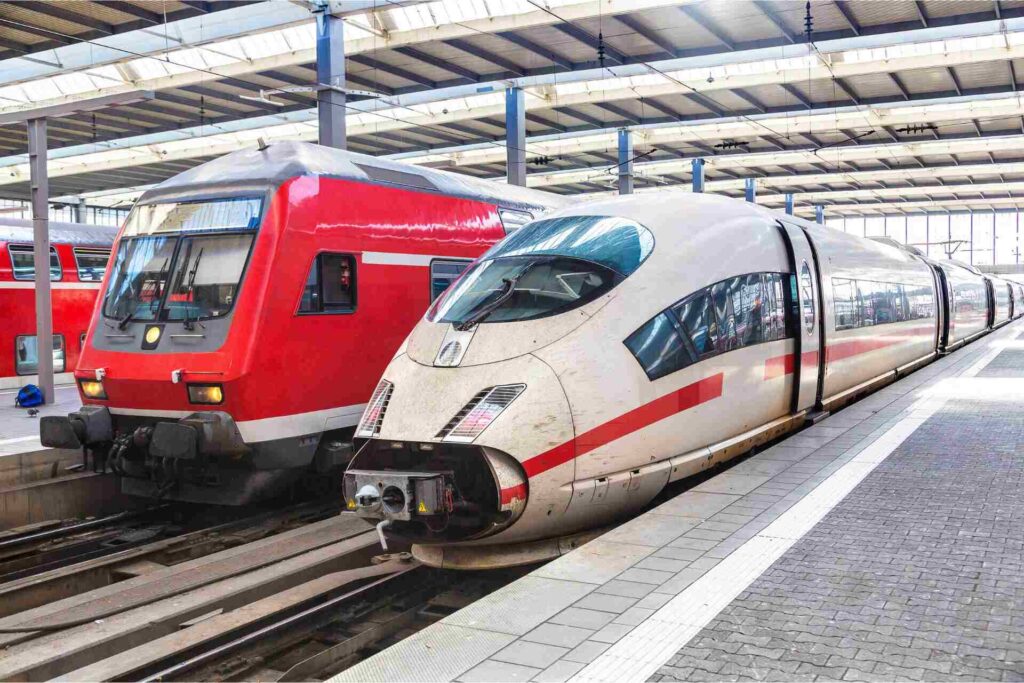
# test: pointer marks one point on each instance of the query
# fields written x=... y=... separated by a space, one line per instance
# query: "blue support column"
x=819 y=214
x=515 y=136
x=789 y=203
x=750 y=190
x=698 y=174
x=330 y=71
x=625 y=161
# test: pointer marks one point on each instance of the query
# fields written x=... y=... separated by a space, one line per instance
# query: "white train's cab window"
x=26 y=354
x=443 y=273
x=23 y=263
x=331 y=285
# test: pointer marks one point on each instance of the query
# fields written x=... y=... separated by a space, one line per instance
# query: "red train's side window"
x=26 y=356
x=24 y=266
x=331 y=285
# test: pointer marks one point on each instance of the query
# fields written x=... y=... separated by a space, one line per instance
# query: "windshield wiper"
x=505 y=295
x=189 y=323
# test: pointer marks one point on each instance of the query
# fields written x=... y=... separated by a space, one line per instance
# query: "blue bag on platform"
x=29 y=396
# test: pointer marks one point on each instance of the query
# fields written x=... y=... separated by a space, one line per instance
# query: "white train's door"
x=808 y=352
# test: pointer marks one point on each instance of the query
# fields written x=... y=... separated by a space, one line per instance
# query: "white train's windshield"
x=548 y=267
x=181 y=261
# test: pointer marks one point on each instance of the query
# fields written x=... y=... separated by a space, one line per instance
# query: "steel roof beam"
x=486 y=55
x=708 y=25
x=540 y=51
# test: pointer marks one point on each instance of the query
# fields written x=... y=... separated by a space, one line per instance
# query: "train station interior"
x=511 y=340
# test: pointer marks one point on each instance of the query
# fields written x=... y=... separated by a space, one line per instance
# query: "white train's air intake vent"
x=373 y=416
x=481 y=411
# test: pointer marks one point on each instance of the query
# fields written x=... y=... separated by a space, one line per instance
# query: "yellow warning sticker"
x=351 y=504
x=422 y=507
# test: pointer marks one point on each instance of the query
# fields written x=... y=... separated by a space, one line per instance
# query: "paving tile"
x=557 y=634
x=530 y=654
x=735 y=484
x=628 y=589
x=559 y=672
x=584 y=618
x=595 y=562
x=519 y=606
x=651 y=529
x=651 y=576
x=490 y=671
x=661 y=563
x=612 y=633
x=606 y=603
x=694 y=503
x=634 y=616
x=587 y=651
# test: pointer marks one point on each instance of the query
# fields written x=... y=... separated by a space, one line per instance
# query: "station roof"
x=895 y=106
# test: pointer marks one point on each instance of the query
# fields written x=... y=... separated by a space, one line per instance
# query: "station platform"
x=19 y=432
x=883 y=543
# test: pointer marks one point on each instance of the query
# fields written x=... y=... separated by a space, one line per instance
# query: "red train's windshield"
x=182 y=260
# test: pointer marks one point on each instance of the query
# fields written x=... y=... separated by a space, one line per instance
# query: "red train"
x=78 y=258
x=252 y=304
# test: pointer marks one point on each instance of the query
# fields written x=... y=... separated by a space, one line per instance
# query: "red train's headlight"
x=209 y=394
x=92 y=388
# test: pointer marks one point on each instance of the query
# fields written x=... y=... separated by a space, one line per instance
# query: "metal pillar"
x=515 y=136
x=625 y=161
x=789 y=203
x=819 y=214
x=330 y=71
x=750 y=190
x=41 y=235
x=972 y=235
x=697 y=166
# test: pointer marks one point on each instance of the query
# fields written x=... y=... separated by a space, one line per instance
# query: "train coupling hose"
x=381 y=525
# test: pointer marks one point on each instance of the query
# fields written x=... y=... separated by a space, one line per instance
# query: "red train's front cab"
x=164 y=373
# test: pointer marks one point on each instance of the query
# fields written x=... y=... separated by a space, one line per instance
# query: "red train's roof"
x=252 y=168
x=77 y=234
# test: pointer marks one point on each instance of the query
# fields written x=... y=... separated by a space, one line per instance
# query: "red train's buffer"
x=252 y=304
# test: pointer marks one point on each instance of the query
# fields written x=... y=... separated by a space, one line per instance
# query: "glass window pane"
x=338 y=282
x=330 y=286
x=844 y=293
x=443 y=274
x=658 y=348
x=26 y=354
x=983 y=231
x=697 y=320
x=615 y=243
x=725 y=315
x=23 y=263
x=747 y=305
x=92 y=263
x=206 y=277
x=1007 y=246
x=238 y=213
x=139 y=277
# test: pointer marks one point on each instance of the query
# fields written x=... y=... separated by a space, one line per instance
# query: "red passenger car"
x=78 y=258
x=253 y=303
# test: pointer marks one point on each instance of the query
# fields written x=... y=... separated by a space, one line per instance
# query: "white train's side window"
x=807 y=295
x=732 y=314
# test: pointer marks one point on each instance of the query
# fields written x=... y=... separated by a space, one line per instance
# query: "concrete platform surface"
x=884 y=543
x=19 y=433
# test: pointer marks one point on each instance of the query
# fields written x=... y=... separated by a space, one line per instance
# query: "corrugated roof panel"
x=874 y=85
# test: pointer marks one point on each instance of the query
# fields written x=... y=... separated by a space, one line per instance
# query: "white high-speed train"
x=595 y=355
